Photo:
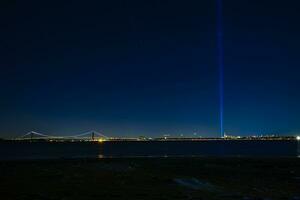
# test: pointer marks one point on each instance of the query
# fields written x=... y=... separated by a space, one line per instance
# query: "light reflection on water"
x=100 y=156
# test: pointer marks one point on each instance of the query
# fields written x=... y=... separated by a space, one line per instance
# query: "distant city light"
x=298 y=138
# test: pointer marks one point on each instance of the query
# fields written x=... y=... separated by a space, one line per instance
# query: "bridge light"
x=101 y=140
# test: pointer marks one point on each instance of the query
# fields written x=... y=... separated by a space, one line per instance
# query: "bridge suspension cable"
x=86 y=135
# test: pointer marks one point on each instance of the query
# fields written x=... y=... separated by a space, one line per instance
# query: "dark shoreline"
x=151 y=178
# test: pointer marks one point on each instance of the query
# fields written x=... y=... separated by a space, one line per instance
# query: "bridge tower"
x=93 y=136
x=31 y=136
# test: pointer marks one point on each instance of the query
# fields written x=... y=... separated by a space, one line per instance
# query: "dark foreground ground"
x=151 y=178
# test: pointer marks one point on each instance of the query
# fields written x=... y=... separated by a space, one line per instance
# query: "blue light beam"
x=220 y=53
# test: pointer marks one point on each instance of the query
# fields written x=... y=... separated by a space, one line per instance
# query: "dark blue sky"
x=129 y=68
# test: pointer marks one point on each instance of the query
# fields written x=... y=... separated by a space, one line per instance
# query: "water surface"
x=52 y=150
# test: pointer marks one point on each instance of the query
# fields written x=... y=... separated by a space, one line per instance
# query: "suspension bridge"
x=86 y=136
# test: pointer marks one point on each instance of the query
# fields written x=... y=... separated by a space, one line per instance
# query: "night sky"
x=130 y=68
